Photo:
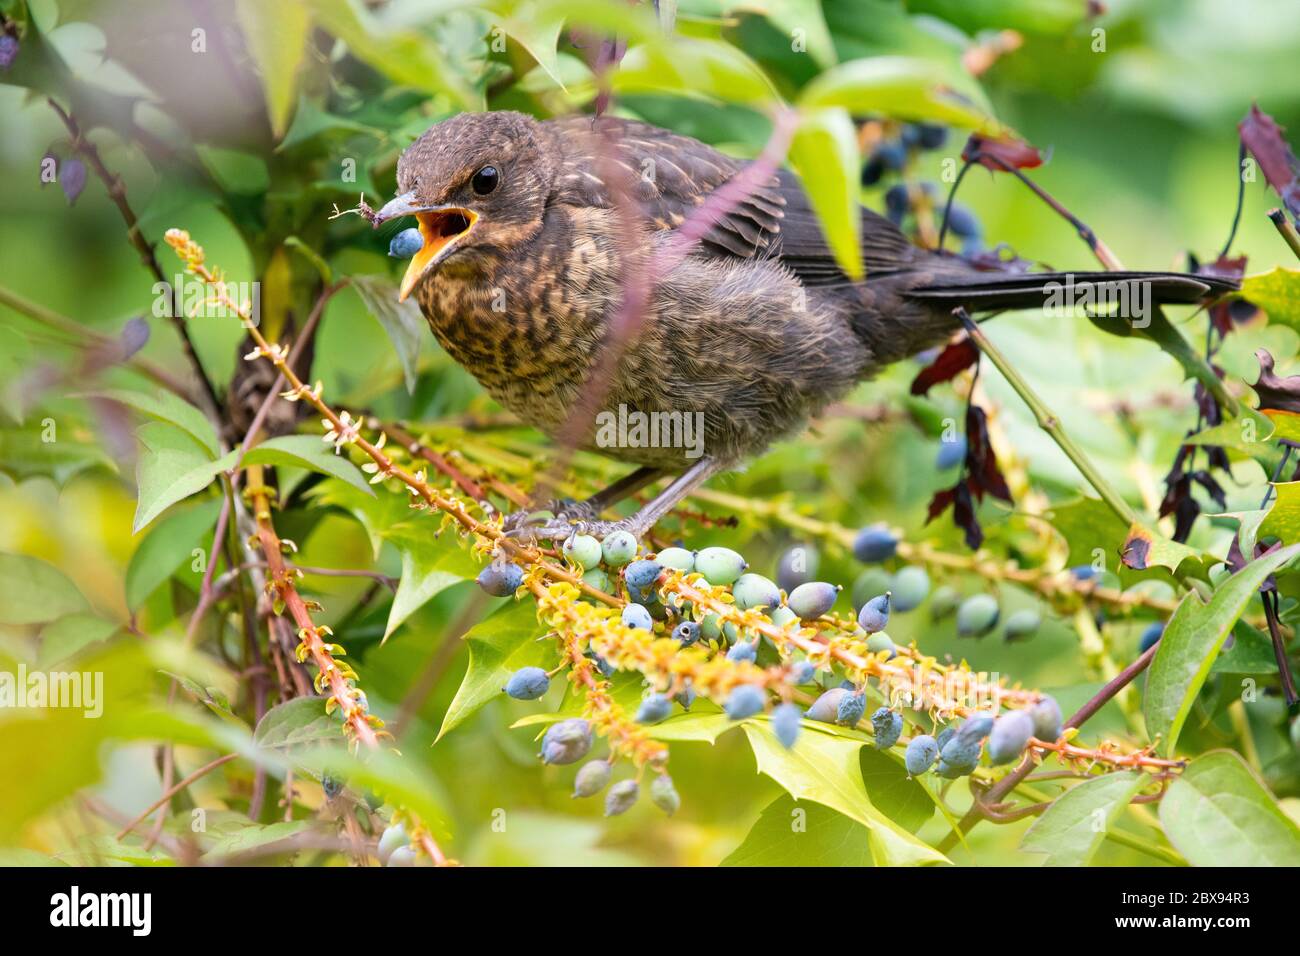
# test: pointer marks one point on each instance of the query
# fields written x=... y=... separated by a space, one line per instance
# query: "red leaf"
x=956 y=358
x=1274 y=391
x=1001 y=154
x=1263 y=137
x=981 y=463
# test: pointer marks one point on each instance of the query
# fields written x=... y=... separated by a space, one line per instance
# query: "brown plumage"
x=756 y=330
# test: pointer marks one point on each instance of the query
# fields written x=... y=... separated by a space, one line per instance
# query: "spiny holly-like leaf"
x=825 y=768
x=1072 y=828
x=821 y=837
x=1277 y=292
x=955 y=358
x=1283 y=518
x=171 y=467
x=1218 y=813
x=1000 y=153
x=1192 y=640
x=430 y=565
x=1144 y=549
x=1263 y=137
x=498 y=646
x=300 y=722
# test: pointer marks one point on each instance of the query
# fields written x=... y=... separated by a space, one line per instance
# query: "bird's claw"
x=554 y=521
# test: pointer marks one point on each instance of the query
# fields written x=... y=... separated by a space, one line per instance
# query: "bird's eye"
x=485 y=180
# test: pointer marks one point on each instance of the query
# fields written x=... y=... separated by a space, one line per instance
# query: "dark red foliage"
x=956 y=358
x=1263 y=137
x=1001 y=154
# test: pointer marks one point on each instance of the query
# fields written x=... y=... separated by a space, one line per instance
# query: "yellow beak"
x=441 y=229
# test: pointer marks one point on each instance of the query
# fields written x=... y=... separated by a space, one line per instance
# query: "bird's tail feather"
x=982 y=291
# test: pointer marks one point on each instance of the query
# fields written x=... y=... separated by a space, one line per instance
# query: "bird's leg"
x=649 y=514
x=568 y=510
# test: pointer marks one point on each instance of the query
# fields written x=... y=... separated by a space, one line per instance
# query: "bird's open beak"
x=441 y=227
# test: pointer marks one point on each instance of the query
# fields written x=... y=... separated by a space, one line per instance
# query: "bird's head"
x=475 y=181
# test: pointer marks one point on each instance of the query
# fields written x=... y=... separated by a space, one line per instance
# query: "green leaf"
x=67 y=636
x=171 y=467
x=1277 y=292
x=1283 y=519
x=1217 y=813
x=376 y=513
x=903 y=87
x=431 y=563
x=275 y=35
x=1191 y=642
x=300 y=722
x=1072 y=828
x=824 y=152
x=806 y=17
x=694 y=67
x=253 y=837
x=405 y=326
x=1251 y=653
x=33 y=592
x=895 y=794
x=168 y=407
x=498 y=646
x=825 y=769
x=540 y=36
x=308 y=451
x=167 y=546
x=404 y=55
x=311 y=255
x=788 y=833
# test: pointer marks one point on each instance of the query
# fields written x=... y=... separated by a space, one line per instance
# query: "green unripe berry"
x=944 y=602
x=598 y=579
x=401 y=856
x=393 y=837
x=868 y=584
x=664 y=795
x=782 y=616
x=1022 y=624
x=720 y=566
x=711 y=627
x=678 y=558
x=618 y=548
x=910 y=588
x=754 y=590
x=582 y=549
x=591 y=779
x=977 y=615
x=880 y=641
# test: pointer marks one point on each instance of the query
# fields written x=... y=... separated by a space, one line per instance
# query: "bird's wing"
x=669 y=176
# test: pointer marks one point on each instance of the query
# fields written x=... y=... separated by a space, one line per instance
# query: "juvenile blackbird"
x=528 y=251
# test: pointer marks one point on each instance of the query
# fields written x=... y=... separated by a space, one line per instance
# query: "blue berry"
x=1011 y=732
x=909 y=589
x=874 y=615
x=951 y=453
x=852 y=707
x=921 y=754
x=664 y=795
x=1153 y=633
x=874 y=544
x=976 y=728
x=72 y=179
x=685 y=697
x=744 y=651
x=567 y=741
x=591 y=778
x=1047 y=719
x=653 y=709
x=962 y=222
x=958 y=757
x=406 y=244
x=930 y=136
x=745 y=700
x=897 y=202
x=873 y=170
x=720 y=565
x=813 y=599
x=786 y=721
x=528 y=683
x=635 y=615
x=621 y=797
x=8 y=50
x=893 y=154
x=1083 y=572
x=888 y=727
x=945 y=735
x=868 y=584
x=688 y=632
x=802 y=672
x=618 y=548
x=797 y=565
x=827 y=707
x=642 y=574
x=755 y=591
x=501 y=578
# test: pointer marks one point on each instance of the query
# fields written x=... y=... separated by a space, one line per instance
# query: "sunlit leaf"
x=824 y=152
x=308 y=451
x=498 y=646
x=276 y=37
x=33 y=592
x=1072 y=828
x=171 y=467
